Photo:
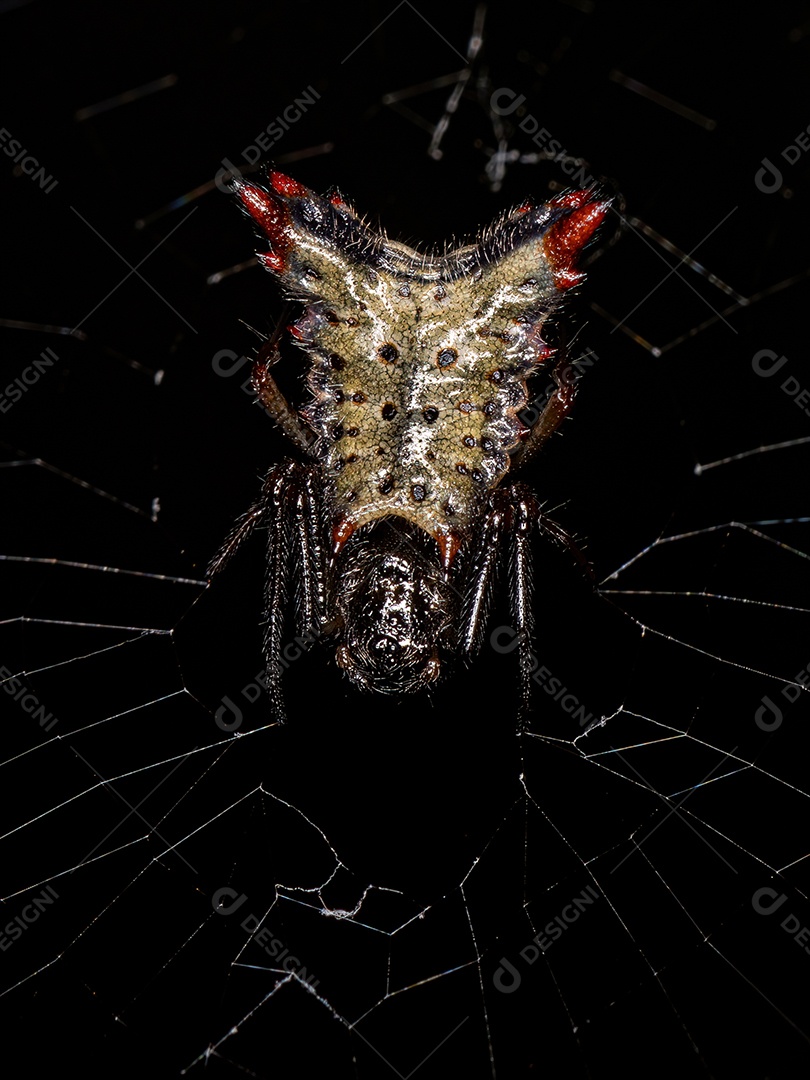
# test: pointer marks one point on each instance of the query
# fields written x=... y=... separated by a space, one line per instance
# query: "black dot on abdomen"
x=388 y=352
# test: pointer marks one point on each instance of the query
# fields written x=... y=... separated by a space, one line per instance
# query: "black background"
x=457 y=839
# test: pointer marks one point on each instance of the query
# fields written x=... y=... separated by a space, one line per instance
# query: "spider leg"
x=312 y=557
x=241 y=531
x=291 y=509
x=554 y=531
x=480 y=573
x=512 y=518
x=274 y=401
x=524 y=516
x=276 y=581
x=554 y=411
x=296 y=549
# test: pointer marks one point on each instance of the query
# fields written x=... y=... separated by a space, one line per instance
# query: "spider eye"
x=385 y=648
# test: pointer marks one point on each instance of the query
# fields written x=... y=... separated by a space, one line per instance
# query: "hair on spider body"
x=390 y=534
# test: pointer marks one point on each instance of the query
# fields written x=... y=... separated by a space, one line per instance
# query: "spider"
x=389 y=534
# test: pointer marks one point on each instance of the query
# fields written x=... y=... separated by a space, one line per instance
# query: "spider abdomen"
x=418 y=361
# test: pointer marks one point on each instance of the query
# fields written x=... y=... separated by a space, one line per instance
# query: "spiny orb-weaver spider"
x=392 y=529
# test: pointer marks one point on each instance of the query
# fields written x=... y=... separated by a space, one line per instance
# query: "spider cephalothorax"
x=394 y=602
x=417 y=377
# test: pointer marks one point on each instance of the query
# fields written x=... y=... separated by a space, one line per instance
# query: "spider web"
x=409 y=887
